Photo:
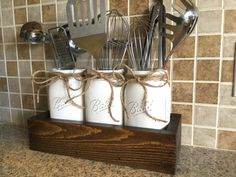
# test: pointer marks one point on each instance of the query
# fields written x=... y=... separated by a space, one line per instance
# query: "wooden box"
x=149 y=149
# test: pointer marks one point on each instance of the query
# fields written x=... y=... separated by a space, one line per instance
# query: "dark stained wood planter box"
x=149 y=149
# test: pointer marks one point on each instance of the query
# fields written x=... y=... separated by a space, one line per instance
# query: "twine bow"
x=142 y=81
x=114 y=79
x=53 y=77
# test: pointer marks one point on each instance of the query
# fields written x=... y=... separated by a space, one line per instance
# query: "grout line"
x=18 y=62
x=220 y=71
x=194 y=79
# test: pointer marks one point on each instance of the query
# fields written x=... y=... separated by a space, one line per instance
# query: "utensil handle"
x=234 y=82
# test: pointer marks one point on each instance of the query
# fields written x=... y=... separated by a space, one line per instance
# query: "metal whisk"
x=138 y=39
x=113 y=52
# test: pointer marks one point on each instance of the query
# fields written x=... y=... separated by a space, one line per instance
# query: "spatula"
x=87 y=24
x=184 y=24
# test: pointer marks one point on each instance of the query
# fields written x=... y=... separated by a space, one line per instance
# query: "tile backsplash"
x=201 y=70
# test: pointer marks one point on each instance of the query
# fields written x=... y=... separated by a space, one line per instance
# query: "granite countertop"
x=17 y=160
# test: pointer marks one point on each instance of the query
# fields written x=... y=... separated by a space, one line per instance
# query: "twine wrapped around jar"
x=114 y=79
x=53 y=77
x=131 y=77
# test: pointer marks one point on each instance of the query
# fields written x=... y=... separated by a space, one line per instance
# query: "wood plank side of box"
x=155 y=150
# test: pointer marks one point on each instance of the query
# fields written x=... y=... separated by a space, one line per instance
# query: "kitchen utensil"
x=138 y=38
x=146 y=60
x=161 y=36
x=113 y=52
x=32 y=32
x=87 y=24
x=234 y=83
x=184 y=24
x=63 y=56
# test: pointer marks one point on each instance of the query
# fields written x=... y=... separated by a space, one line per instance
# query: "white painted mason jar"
x=97 y=98
x=58 y=95
x=158 y=103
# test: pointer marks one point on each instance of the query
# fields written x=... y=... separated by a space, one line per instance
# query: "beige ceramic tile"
x=183 y=69
x=1 y=36
x=230 y=22
x=17 y=117
x=227 y=71
x=49 y=13
x=4 y=101
x=227 y=118
x=12 y=68
x=33 y=2
x=10 y=52
x=204 y=137
x=209 y=46
x=205 y=116
x=208 y=70
x=182 y=92
x=61 y=12
x=138 y=7
x=229 y=4
x=186 y=135
x=24 y=69
x=20 y=16
x=38 y=87
x=37 y=52
x=9 y=35
x=185 y=111
x=226 y=95
x=209 y=4
x=47 y=1
x=42 y=105
x=50 y=64
x=48 y=50
x=5 y=115
x=1 y=41
x=27 y=101
x=2 y=68
x=120 y=5
x=13 y=85
x=209 y=21
x=26 y=85
x=19 y=2
x=34 y=13
x=227 y=140
x=7 y=17
x=37 y=65
x=206 y=93
x=6 y=3
x=18 y=38
x=228 y=46
x=186 y=49
x=3 y=84
x=1 y=53
x=15 y=100
x=23 y=51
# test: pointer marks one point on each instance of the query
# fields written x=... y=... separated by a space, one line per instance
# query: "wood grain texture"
x=155 y=150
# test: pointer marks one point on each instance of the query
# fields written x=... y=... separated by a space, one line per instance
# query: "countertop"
x=17 y=160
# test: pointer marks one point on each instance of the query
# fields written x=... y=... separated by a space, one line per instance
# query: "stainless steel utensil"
x=113 y=52
x=138 y=39
x=64 y=58
x=184 y=24
x=146 y=58
x=87 y=24
x=32 y=32
x=161 y=37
